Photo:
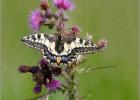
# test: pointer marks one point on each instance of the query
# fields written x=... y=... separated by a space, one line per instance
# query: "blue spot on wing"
x=64 y=59
x=53 y=58
x=50 y=56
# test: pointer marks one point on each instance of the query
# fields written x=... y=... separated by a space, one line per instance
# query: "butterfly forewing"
x=38 y=41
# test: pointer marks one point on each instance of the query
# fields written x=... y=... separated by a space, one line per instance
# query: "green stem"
x=72 y=90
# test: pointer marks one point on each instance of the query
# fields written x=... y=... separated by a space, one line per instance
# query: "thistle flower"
x=63 y=4
x=75 y=30
x=72 y=32
x=37 y=88
x=35 y=20
x=26 y=68
x=43 y=75
x=53 y=85
x=43 y=63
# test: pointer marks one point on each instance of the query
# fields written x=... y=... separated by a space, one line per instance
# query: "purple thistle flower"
x=35 y=20
x=63 y=4
x=37 y=88
x=43 y=62
x=34 y=69
x=75 y=30
x=24 y=68
x=53 y=84
x=43 y=75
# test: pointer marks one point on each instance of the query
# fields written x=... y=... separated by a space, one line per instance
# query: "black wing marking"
x=80 y=46
x=39 y=41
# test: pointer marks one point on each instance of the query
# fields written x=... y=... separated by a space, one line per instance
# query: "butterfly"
x=58 y=49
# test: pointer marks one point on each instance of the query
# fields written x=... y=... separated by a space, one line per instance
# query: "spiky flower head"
x=37 y=88
x=43 y=75
x=63 y=4
x=53 y=85
x=35 y=20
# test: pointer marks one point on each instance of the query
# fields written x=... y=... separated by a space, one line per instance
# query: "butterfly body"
x=57 y=49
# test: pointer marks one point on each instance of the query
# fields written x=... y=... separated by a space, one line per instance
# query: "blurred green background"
x=115 y=20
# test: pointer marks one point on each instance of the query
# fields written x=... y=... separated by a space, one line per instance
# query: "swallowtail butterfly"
x=58 y=49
